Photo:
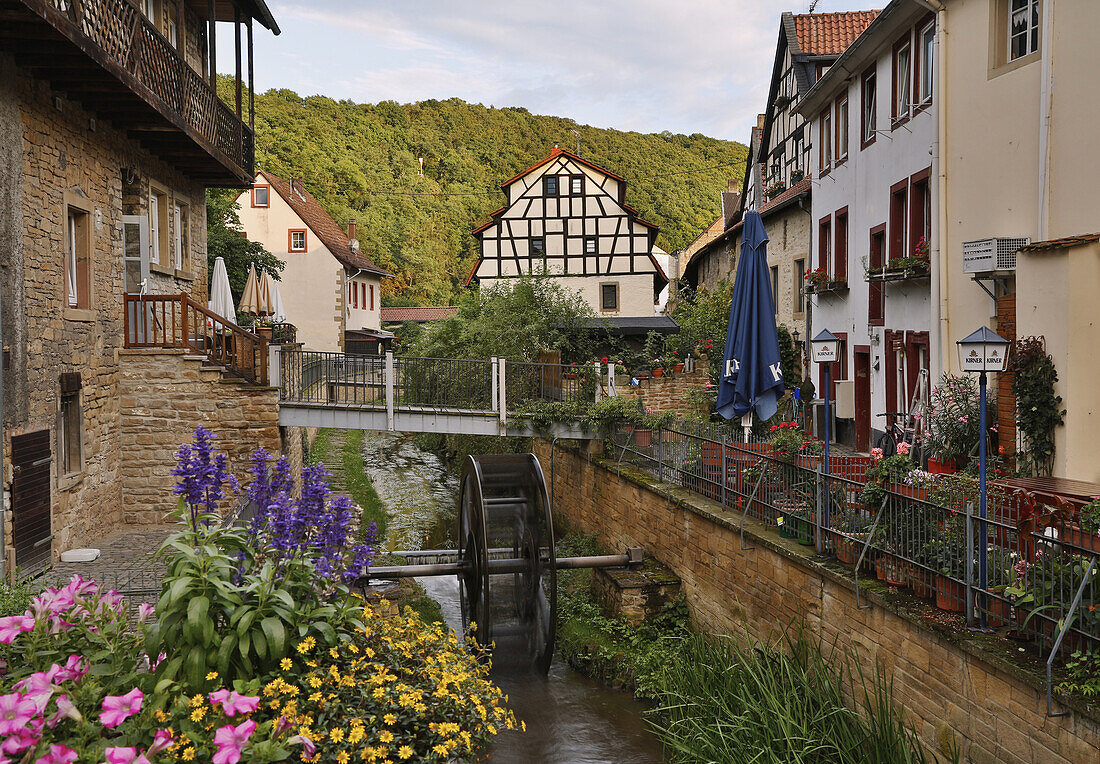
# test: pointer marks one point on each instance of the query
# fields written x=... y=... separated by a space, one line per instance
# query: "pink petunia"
x=231 y=740
x=73 y=670
x=308 y=748
x=125 y=755
x=162 y=740
x=119 y=708
x=233 y=702
x=14 y=625
x=903 y=448
x=15 y=712
x=58 y=754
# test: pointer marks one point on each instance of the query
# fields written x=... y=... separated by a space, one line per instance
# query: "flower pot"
x=658 y=372
x=263 y=331
x=848 y=547
x=678 y=368
x=801 y=528
x=922 y=582
x=1079 y=538
x=701 y=356
x=937 y=467
x=950 y=594
x=643 y=437
x=570 y=375
x=890 y=570
x=998 y=612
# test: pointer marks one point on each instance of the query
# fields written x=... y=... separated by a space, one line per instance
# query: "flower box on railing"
x=1079 y=538
x=835 y=286
x=897 y=274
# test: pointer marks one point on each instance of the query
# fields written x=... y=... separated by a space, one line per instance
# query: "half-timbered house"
x=111 y=130
x=568 y=218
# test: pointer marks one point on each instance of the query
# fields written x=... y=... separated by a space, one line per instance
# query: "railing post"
x=183 y=321
x=611 y=391
x=502 y=386
x=969 y=569
x=389 y=390
x=596 y=392
x=495 y=401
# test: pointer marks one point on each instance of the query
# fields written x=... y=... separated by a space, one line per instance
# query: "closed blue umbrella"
x=752 y=377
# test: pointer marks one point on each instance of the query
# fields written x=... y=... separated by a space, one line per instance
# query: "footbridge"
x=440 y=395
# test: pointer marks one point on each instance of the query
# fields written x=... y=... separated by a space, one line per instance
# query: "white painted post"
x=503 y=406
x=597 y=369
x=493 y=372
x=389 y=390
x=611 y=391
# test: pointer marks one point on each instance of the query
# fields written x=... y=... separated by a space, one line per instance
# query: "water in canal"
x=570 y=719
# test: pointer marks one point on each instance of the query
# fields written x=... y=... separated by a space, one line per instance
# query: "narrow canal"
x=570 y=719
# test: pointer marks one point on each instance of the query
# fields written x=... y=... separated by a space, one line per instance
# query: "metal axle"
x=633 y=556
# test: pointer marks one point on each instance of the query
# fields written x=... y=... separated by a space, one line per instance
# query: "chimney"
x=352 y=230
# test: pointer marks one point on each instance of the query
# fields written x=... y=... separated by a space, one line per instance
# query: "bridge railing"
x=491 y=387
x=1016 y=569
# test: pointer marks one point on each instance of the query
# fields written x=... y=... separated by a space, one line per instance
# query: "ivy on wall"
x=1038 y=409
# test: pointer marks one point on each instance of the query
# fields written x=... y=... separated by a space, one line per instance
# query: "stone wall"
x=165 y=395
x=953 y=688
x=669 y=392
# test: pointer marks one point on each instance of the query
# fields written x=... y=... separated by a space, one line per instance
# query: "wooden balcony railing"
x=177 y=321
x=122 y=38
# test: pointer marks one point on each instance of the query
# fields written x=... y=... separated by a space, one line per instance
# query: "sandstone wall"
x=671 y=392
x=953 y=689
x=165 y=395
x=52 y=151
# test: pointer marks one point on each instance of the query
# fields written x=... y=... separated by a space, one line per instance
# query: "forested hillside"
x=360 y=161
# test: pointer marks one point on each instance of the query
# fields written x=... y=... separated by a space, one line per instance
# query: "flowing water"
x=570 y=719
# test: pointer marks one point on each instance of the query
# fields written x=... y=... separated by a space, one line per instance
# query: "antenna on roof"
x=813 y=4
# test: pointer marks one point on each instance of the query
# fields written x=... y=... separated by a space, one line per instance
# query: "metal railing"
x=1036 y=579
x=177 y=321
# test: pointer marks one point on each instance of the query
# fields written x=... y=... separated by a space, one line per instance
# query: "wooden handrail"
x=177 y=321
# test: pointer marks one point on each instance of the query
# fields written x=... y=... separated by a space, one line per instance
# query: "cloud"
x=647 y=65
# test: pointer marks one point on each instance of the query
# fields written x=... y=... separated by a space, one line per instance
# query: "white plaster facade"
x=875 y=191
x=324 y=294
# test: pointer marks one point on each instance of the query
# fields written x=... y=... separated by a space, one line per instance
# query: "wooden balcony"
x=109 y=57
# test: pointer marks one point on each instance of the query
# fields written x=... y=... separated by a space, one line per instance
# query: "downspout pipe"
x=1045 y=93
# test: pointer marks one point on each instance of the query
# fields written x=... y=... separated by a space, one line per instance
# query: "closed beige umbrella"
x=250 y=303
x=263 y=294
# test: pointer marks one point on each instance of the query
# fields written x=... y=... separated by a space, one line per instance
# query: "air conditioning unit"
x=986 y=255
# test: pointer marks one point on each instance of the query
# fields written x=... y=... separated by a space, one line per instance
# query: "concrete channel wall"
x=959 y=689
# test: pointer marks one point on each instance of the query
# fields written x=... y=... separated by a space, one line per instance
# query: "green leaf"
x=276 y=636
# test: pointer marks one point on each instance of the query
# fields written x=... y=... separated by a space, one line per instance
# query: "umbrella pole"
x=746 y=424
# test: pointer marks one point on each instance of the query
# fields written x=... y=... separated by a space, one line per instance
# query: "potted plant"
x=262 y=326
x=1085 y=533
x=952 y=417
x=789 y=441
x=570 y=371
x=817 y=279
x=703 y=349
x=851 y=536
x=797 y=175
x=775 y=189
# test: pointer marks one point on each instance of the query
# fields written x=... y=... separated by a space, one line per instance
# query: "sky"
x=686 y=66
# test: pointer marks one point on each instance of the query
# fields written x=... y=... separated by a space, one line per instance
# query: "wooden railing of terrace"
x=177 y=321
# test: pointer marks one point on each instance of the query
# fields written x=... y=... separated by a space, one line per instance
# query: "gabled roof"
x=554 y=153
x=321 y=223
x=430 y=313
x=829 y=34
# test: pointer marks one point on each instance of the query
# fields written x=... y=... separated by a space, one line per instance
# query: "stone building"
x=110 y=133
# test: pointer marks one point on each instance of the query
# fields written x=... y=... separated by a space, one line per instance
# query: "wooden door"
x=30 y=500
x=862 y=362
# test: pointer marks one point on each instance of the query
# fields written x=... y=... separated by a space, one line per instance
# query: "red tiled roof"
x=433 y=313
x=829 y=34
x=1064 y=242
x=321 y=223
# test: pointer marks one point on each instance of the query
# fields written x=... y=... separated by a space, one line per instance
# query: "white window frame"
x=827 y=137
x=842 y=128
x=927 y=39
x=154 y=226
x=71 y=277
x=869 y=118
x=1030 y=32
x=293 y=246
x=178 y=217
x=903 y=81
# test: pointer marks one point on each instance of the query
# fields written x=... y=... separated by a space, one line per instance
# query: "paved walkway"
x=126 y=563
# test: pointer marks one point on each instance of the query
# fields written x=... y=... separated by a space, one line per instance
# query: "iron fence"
x=1039 y=583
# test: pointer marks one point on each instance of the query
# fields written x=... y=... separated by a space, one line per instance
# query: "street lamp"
x=981 y=352
x=825 y=348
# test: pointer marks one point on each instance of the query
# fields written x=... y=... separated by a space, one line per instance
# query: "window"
x=899 y=204
x=842 y=129
x=550 y=185
x=920 y=211
x=868 y=121
x=902 y=80
x=825 y=140
x=799 y=286
x=576 y=185
x=170 y=27
x=824 y=242
x=589 y=245
x=158 y=226
x=876 y=306
x=180 y=239
x=925 y=55
x=354 y=295
x=363 y=289
x=609 y=297
x=70 y=425
x=538 y=247
x=372 y=296
x=840 y=245
x=296 y=240
x=775 y=288
x=1023 y=28
x=260 y=196
x=78 y=253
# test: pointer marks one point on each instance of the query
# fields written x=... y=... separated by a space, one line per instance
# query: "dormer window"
x=550 y=185
x=260 y=196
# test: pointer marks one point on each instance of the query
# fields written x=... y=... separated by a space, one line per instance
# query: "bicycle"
x=897 y=433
